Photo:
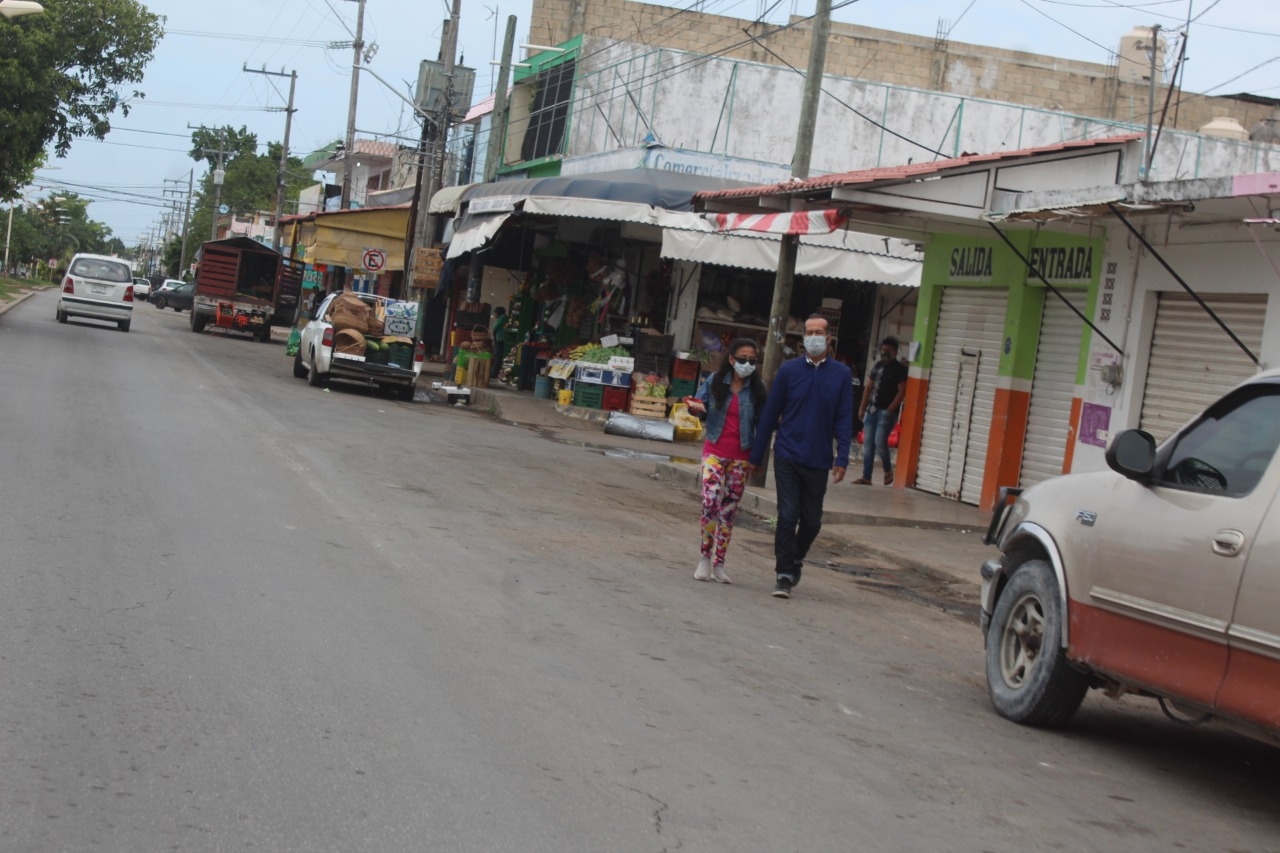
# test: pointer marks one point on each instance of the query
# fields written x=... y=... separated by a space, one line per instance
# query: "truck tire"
x=314 y=377
x=197 y=322
x=406 y=392
x=265 y=337
x=299 y=369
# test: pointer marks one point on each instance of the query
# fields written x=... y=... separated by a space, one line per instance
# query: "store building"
x=1008 y=383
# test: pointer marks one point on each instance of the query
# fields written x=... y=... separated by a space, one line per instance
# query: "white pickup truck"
x=394 y=367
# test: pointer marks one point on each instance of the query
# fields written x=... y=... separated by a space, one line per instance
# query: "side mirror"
x=1133 y=454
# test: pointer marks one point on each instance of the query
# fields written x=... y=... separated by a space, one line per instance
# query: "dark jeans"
x=499 y=353
x=800 y=493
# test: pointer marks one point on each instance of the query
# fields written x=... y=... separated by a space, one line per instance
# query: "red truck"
x=244 y=286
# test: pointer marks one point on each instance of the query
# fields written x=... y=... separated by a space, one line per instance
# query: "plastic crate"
x=653 y=344
x=588 y=396
x=683 y=387
x=615 y=399
x=651 y=363
x=683 y=368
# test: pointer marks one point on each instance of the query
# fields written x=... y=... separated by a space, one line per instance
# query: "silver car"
x=1160 y=577
x=99 y=287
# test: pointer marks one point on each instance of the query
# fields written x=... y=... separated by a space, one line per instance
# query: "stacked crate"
x=684 y=377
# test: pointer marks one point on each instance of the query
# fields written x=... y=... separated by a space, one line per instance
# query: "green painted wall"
x=1066 y=260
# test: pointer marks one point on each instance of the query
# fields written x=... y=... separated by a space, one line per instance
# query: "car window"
x=101 y=269
x=185 y=288
x=1229 y=448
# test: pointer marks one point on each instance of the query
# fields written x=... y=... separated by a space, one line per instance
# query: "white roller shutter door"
x=1053 y=387
x=1193 y=361
x=962 y=390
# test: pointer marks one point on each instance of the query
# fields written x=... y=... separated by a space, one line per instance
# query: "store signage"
x=373 y=260
x=1064 y=263
x=492 y=204
x=427 y=266
x=972 y=263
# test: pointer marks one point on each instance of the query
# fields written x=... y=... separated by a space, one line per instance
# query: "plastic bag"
x=295 y=341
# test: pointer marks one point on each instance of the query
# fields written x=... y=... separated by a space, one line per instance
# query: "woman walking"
x=730 y=402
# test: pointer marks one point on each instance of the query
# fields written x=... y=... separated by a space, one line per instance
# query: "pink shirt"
x=730 y=444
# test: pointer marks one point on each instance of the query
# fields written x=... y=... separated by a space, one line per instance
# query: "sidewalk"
x=906 y=528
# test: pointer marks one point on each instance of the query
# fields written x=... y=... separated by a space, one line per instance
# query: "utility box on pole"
x=433 y=80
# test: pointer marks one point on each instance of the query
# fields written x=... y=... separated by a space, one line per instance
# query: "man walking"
x=881 y=402
x=810 y=406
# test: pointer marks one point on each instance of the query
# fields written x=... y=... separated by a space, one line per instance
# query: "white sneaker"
x=720 y=576
x=703 y=572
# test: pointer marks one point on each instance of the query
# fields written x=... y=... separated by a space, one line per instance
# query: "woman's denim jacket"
x=747 y=415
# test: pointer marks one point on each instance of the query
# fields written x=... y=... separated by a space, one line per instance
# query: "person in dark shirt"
x=810 y=406
x=881 y=403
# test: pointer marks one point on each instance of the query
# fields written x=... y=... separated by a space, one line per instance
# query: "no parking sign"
x=373 y=260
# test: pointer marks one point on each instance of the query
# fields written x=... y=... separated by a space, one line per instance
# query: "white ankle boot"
x=720 y=576
x=703 y=572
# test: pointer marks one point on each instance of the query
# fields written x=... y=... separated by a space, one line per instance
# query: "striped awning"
x=798 y=222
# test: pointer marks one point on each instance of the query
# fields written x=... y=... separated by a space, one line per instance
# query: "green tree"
x=60 y=74
x=250 y=181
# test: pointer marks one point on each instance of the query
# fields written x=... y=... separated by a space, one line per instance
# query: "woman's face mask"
x=815 y=345
x=744 y=370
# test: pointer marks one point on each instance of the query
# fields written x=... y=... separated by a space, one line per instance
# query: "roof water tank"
x=1225 y=127
x=1133 y=62
x=1267 y=130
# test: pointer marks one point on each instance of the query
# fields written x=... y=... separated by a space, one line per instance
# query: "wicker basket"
x=348 y=342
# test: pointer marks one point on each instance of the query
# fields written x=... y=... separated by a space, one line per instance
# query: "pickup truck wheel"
x=315 y=378
x=405 y=392
x=197 y=322
x=299 y=369
x=124 y=325
x=1029 y=678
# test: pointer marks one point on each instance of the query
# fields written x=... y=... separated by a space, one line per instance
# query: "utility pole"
x=790 y=244
x=348 y=154
x=186 y=221
x=498 y=121
x=1153 y=48
x=284 y=148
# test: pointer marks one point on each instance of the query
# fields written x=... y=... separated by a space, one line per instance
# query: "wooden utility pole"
x=284 y=149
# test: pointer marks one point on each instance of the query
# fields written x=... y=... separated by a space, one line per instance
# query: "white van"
x=99 y=287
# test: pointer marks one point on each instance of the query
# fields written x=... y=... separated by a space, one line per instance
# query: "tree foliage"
x=60 y=74
x=250 y=181
x=58 y=227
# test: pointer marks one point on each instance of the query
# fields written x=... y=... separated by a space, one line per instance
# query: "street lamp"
x=15 y=8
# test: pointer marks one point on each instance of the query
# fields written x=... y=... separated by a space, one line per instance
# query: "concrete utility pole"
x=790 y=244
x=349 y=154
x=284 y=148
x=186 y=221
x=1153 y=48
x=498 y=121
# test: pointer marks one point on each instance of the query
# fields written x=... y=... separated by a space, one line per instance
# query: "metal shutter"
x=1193 y=361
x=1053 y=387
x=962 y=389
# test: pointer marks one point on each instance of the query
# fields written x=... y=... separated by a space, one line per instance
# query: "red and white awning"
x=800 y=222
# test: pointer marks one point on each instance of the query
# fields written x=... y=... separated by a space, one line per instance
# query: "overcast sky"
x=197 y=75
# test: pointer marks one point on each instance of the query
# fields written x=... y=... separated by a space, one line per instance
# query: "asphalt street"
x=238 y=612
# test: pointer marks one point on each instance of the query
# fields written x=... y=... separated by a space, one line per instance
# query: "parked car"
x=141 y=288
x=177 y=297
x=389 y=358
x=99 y=287
x=1159 y=577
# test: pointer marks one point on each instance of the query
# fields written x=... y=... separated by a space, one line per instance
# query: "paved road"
x=238 y=612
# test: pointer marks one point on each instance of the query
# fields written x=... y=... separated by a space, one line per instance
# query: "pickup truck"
x=244 y=286
x=318 y=359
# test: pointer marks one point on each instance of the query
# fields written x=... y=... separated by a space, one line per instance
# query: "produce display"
x=650 y=385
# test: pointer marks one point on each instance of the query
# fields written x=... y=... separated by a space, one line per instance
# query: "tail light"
x=128 y=293
x=68 y=285
x=326 y=340
x=420 y=353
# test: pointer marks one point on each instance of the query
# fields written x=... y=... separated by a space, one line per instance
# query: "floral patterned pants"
x=723 y=482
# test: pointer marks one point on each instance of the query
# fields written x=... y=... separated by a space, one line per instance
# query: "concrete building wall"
x=975 y=71
x=628 y=94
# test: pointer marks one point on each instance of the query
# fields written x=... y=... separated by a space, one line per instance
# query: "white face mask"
x=744 y=370
x=815 y=345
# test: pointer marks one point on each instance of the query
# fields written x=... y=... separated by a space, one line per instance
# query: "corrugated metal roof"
x=903 y=172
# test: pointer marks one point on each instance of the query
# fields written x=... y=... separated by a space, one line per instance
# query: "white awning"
x=448 y=199
x=592 y=208
x=844 y=254
x=477 y=232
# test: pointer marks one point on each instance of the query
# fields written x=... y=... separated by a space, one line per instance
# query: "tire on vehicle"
x=197 y=322
x=159 y=303
x=61 y=315
x=1029 y=678
x=314 y=377
x=405 y=392
x=299 y=369
x=124 y=325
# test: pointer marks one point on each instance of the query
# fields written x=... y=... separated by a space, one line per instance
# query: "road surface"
x=237 y=612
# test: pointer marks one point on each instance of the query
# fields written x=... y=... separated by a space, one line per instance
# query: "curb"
x=767 y=507
x=18 y=300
